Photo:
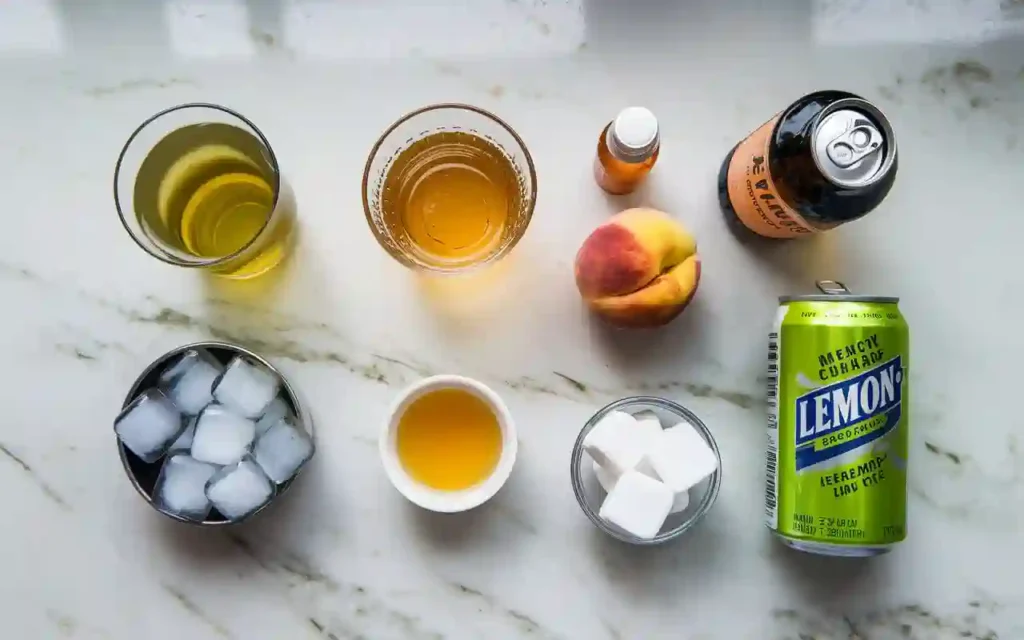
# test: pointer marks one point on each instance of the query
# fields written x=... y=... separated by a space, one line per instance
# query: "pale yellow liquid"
x=449 y=439
x=454 y=196
x=206 y=190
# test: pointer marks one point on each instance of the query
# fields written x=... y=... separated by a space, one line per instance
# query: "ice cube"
x=222 y=436
x=239 y=489
x=189 y=381
x=247 y=387
x=149 y=425
x=275 y=411
x=181 y=488
x=184 y=441
x=282 y=450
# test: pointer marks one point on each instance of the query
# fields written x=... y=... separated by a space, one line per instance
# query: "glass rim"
x=204 y=262
x=707 y=501
x=531 y=170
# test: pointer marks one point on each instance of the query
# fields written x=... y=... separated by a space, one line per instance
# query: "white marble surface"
x=343 y=556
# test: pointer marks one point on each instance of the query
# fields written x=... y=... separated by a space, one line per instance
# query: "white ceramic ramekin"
x=436 y=499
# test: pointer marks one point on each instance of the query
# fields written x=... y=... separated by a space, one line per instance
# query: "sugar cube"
x=618 y=442
x=648 y=419
x=680 y=502
x=648 y=428
x=637 y=504
x=681 y=458
x=607 y=481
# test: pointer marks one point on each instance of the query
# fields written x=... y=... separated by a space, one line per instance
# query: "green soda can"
x=837 y=423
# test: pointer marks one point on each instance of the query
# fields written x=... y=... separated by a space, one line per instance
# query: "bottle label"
x=752 y=192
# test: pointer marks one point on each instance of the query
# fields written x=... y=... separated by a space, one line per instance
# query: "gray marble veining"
x=343 y=557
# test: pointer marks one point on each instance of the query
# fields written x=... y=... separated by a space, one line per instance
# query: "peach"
x=638 y=269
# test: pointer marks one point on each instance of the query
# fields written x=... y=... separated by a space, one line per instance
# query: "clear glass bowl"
x=589 y=492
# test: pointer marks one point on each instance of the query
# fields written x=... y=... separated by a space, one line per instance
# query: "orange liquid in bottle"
x=616 y=176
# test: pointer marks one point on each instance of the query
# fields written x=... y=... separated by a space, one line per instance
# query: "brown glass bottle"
x=627 y=150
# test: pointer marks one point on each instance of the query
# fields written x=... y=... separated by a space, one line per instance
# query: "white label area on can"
x=771 y=472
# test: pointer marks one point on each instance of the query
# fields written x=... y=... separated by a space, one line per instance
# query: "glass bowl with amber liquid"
x=449 y=187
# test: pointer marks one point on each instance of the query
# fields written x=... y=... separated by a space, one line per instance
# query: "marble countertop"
x=343 y=556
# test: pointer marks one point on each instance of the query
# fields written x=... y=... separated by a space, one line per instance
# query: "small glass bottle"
x=627 y=150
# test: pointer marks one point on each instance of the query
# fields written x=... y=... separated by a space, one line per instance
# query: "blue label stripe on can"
x=843 y=416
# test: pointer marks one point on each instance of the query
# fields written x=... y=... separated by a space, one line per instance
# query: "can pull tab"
x=853 y=145
x=832 y=288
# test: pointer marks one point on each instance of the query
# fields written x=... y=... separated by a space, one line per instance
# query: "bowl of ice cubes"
x=211 y=433
x=645 y=470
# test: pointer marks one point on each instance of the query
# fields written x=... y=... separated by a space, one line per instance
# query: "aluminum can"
x=827 y=159
x=836 y=473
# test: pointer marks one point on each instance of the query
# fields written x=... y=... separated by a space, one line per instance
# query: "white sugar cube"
x=648 y=429
x=647 y=420
x=680 y=502
x=637 y=504
x=608 y=480
x=681 y=458
x=618 y=442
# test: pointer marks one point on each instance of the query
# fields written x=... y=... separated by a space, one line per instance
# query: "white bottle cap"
x=633 y=135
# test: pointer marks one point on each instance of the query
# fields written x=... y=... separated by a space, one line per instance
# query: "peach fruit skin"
x=638 y=269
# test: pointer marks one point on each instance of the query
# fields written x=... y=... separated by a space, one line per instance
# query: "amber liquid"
x=449 y=439
x=453 y=196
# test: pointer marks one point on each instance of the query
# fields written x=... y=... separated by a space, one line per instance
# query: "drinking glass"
x=508 y=156
x=198 y=185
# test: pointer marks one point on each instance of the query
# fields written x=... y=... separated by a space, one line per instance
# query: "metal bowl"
x=143 y=475
x=589 y=492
